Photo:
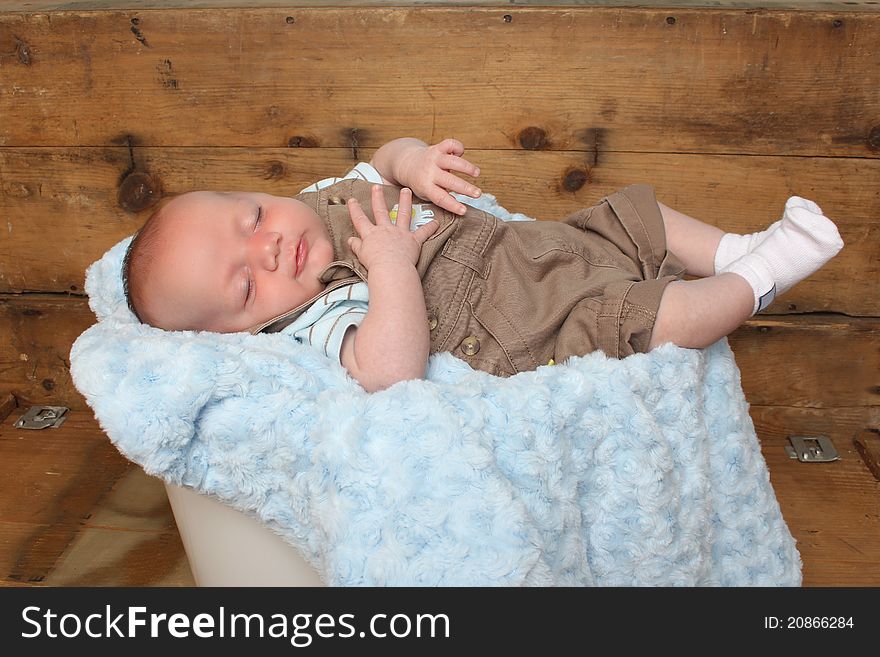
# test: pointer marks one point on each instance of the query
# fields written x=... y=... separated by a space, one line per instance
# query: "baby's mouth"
x=299 y=261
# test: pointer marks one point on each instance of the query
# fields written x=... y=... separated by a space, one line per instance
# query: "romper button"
x=336 y=200
x=470 y=345
x=432 y=321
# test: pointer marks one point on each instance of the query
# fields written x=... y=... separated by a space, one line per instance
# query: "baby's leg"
x=697 y=313
x=704 y=249
x=694 y=242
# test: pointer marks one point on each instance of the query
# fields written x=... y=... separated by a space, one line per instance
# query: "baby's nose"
x=267 y=247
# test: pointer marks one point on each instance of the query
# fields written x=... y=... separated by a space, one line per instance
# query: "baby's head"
x=225 y=261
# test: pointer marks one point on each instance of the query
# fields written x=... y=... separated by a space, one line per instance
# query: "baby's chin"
x=320 y=258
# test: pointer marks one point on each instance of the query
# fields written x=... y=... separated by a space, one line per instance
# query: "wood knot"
x=275 y=170
x=874 y=138
x=298 y=141
x=138 y=191
x=574 y=179
x=48 y=384
x=137 y=32
x=18 y=189
x=533 y=138
x=23 y=52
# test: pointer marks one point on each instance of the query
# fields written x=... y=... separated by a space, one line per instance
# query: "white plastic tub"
x=227 y=548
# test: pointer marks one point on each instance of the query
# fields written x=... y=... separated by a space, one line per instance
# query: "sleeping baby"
x=384 y=266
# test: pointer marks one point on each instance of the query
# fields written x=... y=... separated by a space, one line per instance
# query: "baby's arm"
x=427 y=170
x=392 y=342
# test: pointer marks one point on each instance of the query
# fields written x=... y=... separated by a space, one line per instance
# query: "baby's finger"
x=359 y=219
x=404 y=209
x=452 y=183
x=441 y=197
x=454 y=163
x=380 y=208
x=354 y=243
x=452 y=146
x=425 y=231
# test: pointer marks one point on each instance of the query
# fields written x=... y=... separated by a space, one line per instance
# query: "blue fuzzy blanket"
x=642 y=471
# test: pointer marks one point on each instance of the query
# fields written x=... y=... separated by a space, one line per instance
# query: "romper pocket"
x=507 y=346
x=551 y=241
x=480 y=348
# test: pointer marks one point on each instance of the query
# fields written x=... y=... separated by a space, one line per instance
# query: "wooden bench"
x=725 y=110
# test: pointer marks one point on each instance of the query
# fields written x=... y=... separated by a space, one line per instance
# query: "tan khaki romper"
x=509 y=296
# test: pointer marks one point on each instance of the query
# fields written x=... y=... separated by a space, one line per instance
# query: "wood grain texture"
x=814 y=361
x=831 y=508
x=711 y=81
x=70 y=196
x=867 y=444
x=130 y=539
x=756 y=5
x=7 y=405
x=73 y=511
x=51 y=481
x=36 y=333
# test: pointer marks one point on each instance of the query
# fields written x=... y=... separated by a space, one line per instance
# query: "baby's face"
x=230 y=260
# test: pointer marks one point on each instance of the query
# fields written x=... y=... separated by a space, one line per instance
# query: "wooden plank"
x=629 y=79
x=36 y=333
x=867 y=444
x=841 y=423
x=130 y=539
x=74 y=512
x=787 y=360
x=93 y=557
x=110 y=557
x=52 y=466
x=52 y=480
x=90 y=5
x=816 y=361
x=72 y=196
x=830 y=508
x=7 y=405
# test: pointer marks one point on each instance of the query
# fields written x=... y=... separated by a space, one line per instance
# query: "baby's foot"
x=800 y=202
x=802 y=242
x=733 y=246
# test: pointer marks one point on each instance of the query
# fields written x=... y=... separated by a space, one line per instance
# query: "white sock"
x=733 y=246
x=801 y=244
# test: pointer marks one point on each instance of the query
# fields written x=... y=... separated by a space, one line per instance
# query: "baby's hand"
x=387 y=242
x=428 y=170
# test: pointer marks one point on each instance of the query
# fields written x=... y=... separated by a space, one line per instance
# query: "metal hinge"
x=811 y=449
x=42 y=417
